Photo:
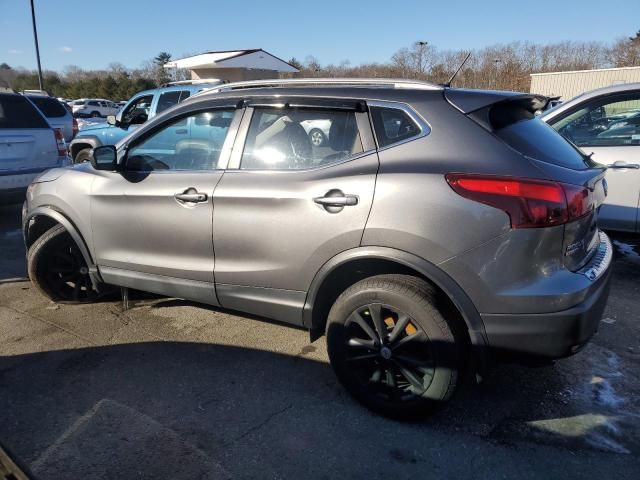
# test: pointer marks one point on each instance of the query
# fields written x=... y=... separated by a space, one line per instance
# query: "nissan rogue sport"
x=433 y=226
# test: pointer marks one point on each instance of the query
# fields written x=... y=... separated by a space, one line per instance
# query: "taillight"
x=76 y=129
x=60 y=143
x=529 y=203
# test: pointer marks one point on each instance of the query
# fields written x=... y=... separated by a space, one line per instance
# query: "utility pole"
x=35 y=37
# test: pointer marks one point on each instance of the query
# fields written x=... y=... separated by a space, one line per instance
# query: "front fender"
x=78 y=143
x=69 y=227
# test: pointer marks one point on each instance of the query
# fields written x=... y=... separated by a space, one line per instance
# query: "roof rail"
x=347 y=82
x=192 y=82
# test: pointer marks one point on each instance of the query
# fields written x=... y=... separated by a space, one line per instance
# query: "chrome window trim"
x=423 y=125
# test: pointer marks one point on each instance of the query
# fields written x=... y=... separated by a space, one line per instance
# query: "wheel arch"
x=41 y=219
x=353 y=265
x=80 y=143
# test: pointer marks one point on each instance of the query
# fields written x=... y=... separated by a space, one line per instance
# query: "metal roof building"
x=569 y=84
x=234 y=65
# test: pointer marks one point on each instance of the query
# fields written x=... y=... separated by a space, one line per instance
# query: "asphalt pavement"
x=172 y=389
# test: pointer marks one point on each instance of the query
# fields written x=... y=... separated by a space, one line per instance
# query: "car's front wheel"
x=58 y=269
x=95 y=114
x=392 y=348
x=82 y=156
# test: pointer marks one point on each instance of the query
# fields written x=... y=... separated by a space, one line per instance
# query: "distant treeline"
x=505 y=67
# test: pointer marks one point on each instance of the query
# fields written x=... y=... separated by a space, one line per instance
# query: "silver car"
x=435 y=227
x=605 y=124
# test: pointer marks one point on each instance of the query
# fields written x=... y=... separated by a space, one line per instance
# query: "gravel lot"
x=176 y=390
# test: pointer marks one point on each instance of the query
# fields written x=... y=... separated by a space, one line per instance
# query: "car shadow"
x=116 y=408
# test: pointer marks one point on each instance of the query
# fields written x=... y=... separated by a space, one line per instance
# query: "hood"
x=95 y=127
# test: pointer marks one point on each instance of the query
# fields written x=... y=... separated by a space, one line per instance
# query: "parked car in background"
x=28 y=145
x=141 y=107
x=93 y=107
x=435 y=225
x=605 y=124
x=57 y=115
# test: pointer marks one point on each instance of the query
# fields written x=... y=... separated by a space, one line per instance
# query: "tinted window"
x=184 y=94
x=166 y=100
x=293 y=139
x=17 y=112
x=94 y=104
x=392 y=125
x=538 y=140
x=191 y=143
x=51 y=107
x=612 y=122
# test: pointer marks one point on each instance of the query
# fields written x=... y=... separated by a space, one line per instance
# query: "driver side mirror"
x=104 y=157
x=111 y=120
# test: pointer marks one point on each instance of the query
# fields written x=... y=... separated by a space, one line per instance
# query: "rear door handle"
x=334 y=200
x=191 y=195
x=181 y=131
x=345 y=200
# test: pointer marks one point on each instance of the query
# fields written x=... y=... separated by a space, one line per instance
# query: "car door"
x=152 y=221
x=609 y=128
x=285 y=206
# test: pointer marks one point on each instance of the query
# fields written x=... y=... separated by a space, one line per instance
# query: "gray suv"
x=432 y=227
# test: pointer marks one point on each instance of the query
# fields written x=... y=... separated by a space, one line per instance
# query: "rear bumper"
x=557 y=334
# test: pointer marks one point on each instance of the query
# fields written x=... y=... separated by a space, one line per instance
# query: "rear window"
x=537 y=140
x=51 y=107
x=17 y=112
x=515 y=123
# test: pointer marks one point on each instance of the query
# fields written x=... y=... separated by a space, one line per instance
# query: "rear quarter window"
x=17 y=112
x=51 y=107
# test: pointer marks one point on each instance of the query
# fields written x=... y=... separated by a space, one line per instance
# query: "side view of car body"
x=605 y=123
x=28 y=146
x=434 y=227
x=93 y=107
x=140 y=108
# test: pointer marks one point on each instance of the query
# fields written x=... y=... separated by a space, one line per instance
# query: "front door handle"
x=620 y=164
x=191 y=195
x=334 y=201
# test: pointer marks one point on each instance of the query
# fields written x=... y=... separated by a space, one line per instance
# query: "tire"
x=387 y=373
x=317 y=137
x=82 y=156
x=56 y=267
x=95 y=114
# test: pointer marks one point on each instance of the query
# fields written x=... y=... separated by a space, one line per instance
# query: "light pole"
x=35 y=37
x=421 y=46
x=496 y=61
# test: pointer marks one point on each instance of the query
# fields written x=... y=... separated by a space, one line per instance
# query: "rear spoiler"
x=494 y=109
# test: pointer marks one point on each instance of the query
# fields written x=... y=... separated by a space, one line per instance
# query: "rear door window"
x=51 y=107
x=17 y=112
x=299 y=138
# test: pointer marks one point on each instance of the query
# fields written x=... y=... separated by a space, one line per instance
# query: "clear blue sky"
x=92 y=34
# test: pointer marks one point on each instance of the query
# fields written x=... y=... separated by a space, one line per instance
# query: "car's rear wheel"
x=392 y=348
x=58 y=269
x=317 y=137
x=95 y=114
x=82 y=156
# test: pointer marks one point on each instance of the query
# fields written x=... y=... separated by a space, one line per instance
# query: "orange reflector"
x=410 y=329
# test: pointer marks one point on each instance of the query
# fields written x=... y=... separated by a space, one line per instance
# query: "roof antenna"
x=448 y=82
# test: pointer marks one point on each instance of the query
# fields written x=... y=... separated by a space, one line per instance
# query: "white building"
x=234 y=65
x=569 y=84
